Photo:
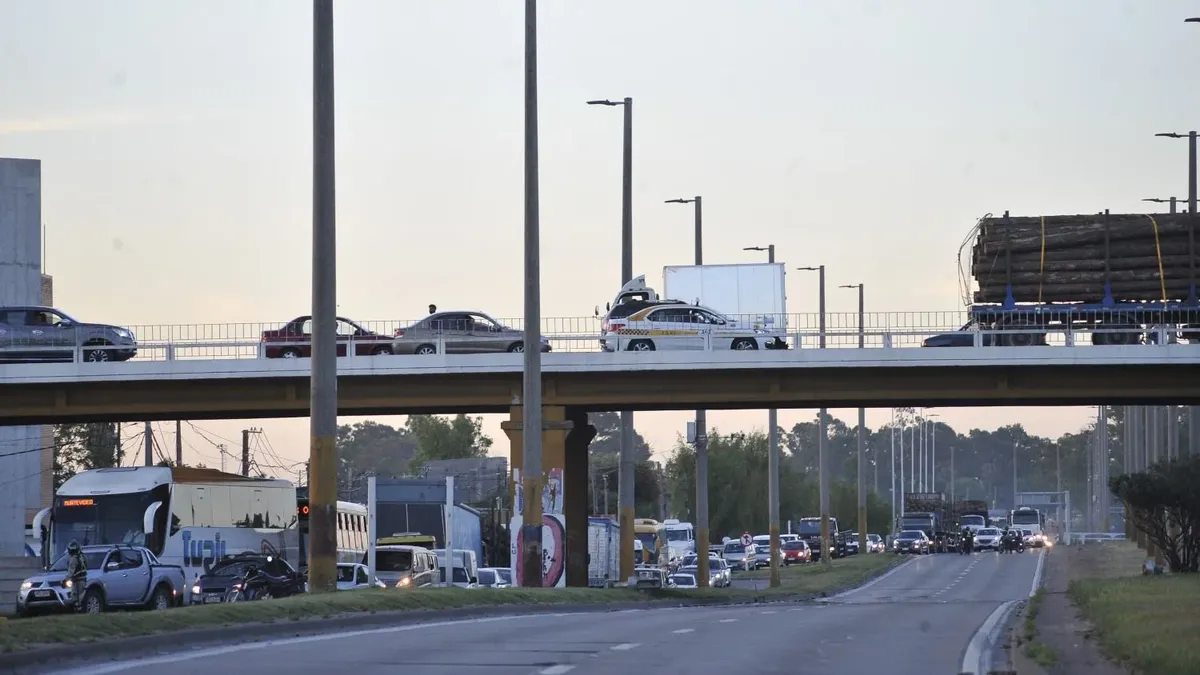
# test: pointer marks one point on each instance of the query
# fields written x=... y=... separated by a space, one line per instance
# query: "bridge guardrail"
x=796 y=341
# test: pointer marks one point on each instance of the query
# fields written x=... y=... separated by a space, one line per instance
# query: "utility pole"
x=1014 y=463
x=246 y=450
x=322 y=490
x=222 y=453
x=148 y=433
x=822 y=425
x=772 y=466
x=625 y=475
x=952 y=490
x=862 y=423
x=178 y=443
x=531 y=389
x=702 y=534
x=892 y=429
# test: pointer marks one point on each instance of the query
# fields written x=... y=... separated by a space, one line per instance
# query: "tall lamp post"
x=862 y=423
x=822 y=427
x=772 y=463
x=932 y=451
x=701 y=424
x=625 y=476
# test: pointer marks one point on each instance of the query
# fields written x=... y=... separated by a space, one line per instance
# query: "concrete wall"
x=20 y=283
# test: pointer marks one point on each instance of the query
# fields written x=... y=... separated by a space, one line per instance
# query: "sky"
x=867 y=136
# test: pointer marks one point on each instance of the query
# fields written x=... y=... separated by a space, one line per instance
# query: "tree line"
x=1164 y=502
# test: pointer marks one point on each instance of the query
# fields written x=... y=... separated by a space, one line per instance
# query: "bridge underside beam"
x=834 y=387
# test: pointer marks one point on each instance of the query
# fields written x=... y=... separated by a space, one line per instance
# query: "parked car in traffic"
x=352 y=576
x=739 y=556
x=460 y=332
x=280 y=579
x=682 y=580
x=875 y=544
x=987 y=539
x=495 y=577
x=118 y=577
x=294 y=339
x=913 y=541
x=33 y=333
x=795 y=551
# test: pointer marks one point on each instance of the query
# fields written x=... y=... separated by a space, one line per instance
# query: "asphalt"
x=917 y=620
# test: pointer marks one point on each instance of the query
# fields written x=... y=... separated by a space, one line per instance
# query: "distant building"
x=476 y=480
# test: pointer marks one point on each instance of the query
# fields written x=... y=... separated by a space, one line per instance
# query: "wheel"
x=93 y=602
x=162 y=598
x=516 y=348
x=744 y=344
x=290 y=353
x=1130 y=338
x=425 y=350
x=97 y=355
x=381 y=350
x=641 y=346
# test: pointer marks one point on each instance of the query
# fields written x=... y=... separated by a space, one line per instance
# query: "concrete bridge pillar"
x=565 y=438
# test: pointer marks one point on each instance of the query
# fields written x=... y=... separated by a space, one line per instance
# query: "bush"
x=1164 y=502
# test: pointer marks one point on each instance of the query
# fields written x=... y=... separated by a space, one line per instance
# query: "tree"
x=1164 y=503
x=78 y=447
x=608 y=437
x=369 y=448
x=438 y=437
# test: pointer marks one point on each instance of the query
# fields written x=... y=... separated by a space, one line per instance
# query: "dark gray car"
x=460 y=332
x=34 y=334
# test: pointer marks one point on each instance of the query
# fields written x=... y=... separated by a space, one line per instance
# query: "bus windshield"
x=681 y=534
x=99 y=519
x=1026 y=518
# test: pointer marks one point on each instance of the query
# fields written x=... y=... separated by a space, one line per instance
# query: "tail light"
x=606 y=326
x=399 y=333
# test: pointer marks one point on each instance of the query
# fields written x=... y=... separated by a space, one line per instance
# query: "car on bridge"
x=460 y=332
x=35 y=333
x=294 y=339
x=678 y=325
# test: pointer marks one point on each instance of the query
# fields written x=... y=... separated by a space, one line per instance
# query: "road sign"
x=747 y=539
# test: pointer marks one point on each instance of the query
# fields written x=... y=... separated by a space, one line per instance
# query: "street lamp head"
x=755 y=248
x=1194 y=19
x=1170 y=134
x=679 y=201
x=850 y=286
x=808 y=269
x=605 y=102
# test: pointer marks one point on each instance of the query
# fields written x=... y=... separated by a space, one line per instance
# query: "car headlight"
x=196 y=589
x=67 y=583
x=237 y=587
x=404 y=583
x=26 y=585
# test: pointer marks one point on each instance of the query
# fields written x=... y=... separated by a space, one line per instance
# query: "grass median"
x=1148 y=622
x=34 y=632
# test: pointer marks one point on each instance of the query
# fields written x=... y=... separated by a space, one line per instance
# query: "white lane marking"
x=624 y=647
x=978 y=658
x=1037 y=573
x=556 y=670
x=122 y=666
x=728 y=620
x=681 y=631
x=769 y=611
x=872 y=582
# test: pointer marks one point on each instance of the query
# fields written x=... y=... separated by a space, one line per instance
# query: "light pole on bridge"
x=862 y=423
x=772 y=462
x=822 y=427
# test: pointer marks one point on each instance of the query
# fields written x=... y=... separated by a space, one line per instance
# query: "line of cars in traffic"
x=986 y=539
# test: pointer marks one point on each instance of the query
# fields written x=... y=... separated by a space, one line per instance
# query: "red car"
x=795 y=552
x=294 y=340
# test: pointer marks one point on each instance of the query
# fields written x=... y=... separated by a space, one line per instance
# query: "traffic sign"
x=747 y=539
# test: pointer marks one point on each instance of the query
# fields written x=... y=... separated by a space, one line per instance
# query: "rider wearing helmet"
x=77 y=572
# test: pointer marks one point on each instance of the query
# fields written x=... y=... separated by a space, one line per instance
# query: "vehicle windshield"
x=872 y=537
x=809 y=527
x=683 y=580
x=735 y=547
x=679 y=535
x=99 y=520
x=393 y=561
x=647 y=539
x=793 y=546
x=911 y=534
x=345 y=573
x=973 y=521
x=235 y=568
x=989 y=532
x=94 y=560
x=460 y=575
x=487 y=578
x=716 y=563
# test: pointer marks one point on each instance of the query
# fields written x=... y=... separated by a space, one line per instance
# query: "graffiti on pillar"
x=552 y=493
x=554 y=550
x=519 y=492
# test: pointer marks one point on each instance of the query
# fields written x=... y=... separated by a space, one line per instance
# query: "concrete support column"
x=555 y=428
x=575 y=480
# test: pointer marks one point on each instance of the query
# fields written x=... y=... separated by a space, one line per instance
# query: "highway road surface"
x=923 y=618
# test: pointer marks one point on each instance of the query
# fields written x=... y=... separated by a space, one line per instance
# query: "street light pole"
x=531 y=386
x=772 y=464
x=625 y=476
x=822 y=430
x=322 y=454
x=701 y=424
x=862 y=423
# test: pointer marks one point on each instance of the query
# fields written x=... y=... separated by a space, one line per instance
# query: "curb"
x=79 y=653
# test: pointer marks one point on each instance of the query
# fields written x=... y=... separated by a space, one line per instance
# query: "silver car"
x=460 y=332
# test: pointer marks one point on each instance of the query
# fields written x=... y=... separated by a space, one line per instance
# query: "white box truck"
x=604 y=549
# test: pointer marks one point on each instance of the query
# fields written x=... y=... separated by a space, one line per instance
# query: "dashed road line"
x=728 y=620
x=681 y=631
x=624 y=647
x=556 y=670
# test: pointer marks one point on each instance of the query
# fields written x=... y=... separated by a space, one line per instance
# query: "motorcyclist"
x=77 y=572
x=968 y=541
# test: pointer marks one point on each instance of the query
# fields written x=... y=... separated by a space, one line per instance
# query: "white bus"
x=1027 y=518
x=351 y=532
x=187 y=516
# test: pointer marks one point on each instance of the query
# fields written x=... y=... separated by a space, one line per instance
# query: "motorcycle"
x=968 y=545
x=252 y=586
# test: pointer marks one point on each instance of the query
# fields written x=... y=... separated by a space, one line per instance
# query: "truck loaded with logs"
x=1123 y=278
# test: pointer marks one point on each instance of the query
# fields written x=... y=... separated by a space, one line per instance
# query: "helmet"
x=73 y=547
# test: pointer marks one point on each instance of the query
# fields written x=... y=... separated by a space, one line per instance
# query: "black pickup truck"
x=809 y=530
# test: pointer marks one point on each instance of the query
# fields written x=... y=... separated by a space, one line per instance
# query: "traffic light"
x=302 y=509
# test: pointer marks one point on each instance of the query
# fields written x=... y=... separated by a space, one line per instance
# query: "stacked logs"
x=1070 y=258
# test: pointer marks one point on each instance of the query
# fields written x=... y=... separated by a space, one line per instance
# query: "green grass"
x=28 y=633
x=1149 y=623
x=1042 y=654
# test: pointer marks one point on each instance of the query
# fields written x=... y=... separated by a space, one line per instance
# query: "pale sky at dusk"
x=175 y=141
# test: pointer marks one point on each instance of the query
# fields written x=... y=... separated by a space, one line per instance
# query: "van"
x=402 y=566
x=466 y=567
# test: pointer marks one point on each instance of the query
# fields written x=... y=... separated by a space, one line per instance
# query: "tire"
x=93 y=601
x=641 y=346
x=379 y=351
x=162 y=598
x=425 y=350
x=97 y=355
x=516 y=348
x=744 y=344
x=289 y=353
